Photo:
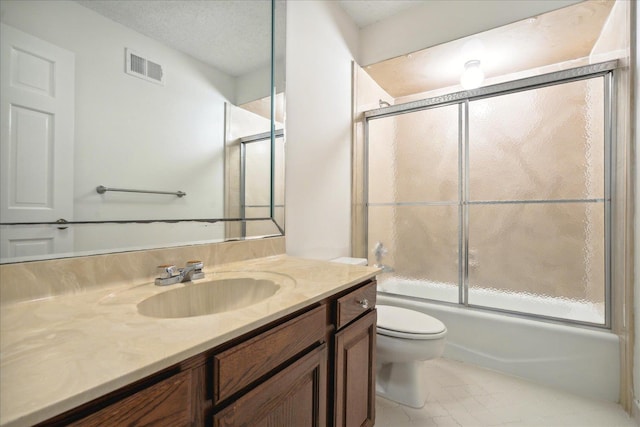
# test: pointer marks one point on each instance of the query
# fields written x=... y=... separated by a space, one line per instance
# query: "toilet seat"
x=409 y=324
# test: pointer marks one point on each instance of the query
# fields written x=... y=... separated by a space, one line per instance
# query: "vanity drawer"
x=167 y=403
x=240 y=365
x=355 y=303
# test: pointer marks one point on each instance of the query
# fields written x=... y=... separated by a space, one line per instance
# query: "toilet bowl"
x=405 y=339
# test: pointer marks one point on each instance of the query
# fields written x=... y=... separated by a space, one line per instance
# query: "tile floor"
x=469 y=396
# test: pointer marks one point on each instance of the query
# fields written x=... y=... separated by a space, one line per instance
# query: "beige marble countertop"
x=59 y=352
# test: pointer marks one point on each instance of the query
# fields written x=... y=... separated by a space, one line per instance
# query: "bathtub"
x=579 y=360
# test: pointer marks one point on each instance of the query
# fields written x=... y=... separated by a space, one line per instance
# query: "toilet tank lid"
x=408 y=321
x=349 y=260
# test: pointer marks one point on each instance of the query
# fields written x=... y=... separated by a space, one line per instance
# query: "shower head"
x=383 y=103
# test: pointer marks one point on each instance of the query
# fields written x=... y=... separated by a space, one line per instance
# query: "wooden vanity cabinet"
x=313 y=368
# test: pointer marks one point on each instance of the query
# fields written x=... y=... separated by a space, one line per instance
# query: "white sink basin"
x=208 y=297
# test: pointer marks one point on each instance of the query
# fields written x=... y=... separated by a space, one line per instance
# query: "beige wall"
x=439 y=21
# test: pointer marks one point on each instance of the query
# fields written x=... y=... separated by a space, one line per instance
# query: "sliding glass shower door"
x=497 y=199
x=414 y=191
x=536 y=200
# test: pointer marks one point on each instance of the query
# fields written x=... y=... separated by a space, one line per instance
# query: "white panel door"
x=36 y=138
x=33 y=241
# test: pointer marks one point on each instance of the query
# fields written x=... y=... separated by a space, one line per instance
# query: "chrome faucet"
x=169 y=274
x=380 y=251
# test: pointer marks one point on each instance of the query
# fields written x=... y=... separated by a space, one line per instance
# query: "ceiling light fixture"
x=473 y=76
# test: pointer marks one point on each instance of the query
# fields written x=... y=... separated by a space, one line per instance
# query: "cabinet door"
x=294 y=397
x=355 y=369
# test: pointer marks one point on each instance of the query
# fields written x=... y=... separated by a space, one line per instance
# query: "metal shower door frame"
x=462 y=99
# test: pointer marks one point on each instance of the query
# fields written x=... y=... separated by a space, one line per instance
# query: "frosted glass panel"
x=279 y=174
x=545 y=259
x=422 y=244
x=257 y=178
x=279 y=170
x=539 y=144
x=413 y=157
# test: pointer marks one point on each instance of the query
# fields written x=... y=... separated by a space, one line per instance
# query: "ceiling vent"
x=139 y=66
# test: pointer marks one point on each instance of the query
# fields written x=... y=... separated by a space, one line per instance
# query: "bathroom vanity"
x=304 y=357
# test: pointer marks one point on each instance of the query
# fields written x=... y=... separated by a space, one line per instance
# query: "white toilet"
x=405 y=339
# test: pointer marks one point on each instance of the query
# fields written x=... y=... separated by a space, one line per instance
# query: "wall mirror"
x=180 y=101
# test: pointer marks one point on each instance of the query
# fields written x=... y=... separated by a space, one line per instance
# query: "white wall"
x=253 y=85
x=130 y=133
x=440 y=21
x=321 y=43
x=256 y=84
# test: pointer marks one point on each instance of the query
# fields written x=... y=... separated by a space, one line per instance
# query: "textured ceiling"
x=233 y=36
x=367 y=12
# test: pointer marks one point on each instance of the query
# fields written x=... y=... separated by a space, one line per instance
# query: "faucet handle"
x=167 y=271
x=196 y=264
x=194 y=269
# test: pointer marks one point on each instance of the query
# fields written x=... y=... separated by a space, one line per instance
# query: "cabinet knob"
x=364 y=303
